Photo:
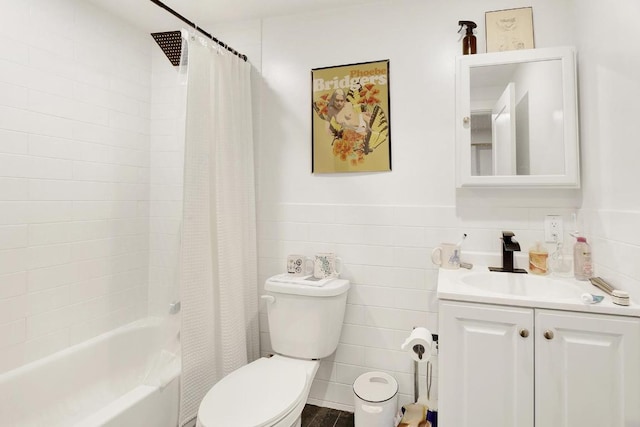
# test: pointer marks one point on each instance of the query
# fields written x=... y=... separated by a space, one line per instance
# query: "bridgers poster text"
x=350 y=118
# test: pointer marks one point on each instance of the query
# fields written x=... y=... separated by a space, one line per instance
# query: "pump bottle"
x=582 y=264
x=469 y=40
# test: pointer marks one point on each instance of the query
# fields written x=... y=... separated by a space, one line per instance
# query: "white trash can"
x=376 y=400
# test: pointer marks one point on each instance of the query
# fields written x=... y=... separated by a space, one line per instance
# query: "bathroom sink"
x=522 y=285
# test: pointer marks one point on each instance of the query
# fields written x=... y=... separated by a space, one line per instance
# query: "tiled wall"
x=74 y=175
x=387 y=259
x=168 y=106
x=384 y=225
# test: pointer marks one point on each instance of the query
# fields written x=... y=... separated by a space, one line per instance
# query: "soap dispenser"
x=538 y=259
x=582 y=264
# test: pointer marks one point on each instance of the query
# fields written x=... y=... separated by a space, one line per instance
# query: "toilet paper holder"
x=420 y=350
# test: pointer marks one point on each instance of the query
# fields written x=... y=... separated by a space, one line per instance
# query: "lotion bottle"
x=582 y=263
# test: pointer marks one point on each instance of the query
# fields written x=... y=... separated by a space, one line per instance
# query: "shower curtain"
x=218 y=277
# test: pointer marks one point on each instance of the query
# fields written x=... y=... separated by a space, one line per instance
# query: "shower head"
x=171 y=44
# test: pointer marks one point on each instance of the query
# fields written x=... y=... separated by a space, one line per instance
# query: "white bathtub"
x=100 y=382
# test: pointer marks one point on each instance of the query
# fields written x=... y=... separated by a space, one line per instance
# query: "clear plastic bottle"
x=582 y=265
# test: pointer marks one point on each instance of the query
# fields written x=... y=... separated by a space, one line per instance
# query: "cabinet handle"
x=466 y=120
x=524 y=333
x=548 y=334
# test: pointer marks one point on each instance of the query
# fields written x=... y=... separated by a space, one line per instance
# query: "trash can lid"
x=375 y=387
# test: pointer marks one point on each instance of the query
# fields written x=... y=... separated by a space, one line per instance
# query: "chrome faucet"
x=509 y=246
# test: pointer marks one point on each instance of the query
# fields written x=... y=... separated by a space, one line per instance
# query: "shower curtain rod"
x=192 y=24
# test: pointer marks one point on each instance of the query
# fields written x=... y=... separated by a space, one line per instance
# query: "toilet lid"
x=255 y=395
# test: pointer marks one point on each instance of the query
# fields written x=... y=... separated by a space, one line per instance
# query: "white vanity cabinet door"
x=587 y=370
x=486 y=366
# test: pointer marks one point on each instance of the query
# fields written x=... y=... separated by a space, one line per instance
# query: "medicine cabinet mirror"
x=517 y=119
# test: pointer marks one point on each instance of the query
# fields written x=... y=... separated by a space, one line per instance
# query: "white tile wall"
x=91 y=173
x=385 y=225
x=74 y=160
x=167 y=113
x=393 y=280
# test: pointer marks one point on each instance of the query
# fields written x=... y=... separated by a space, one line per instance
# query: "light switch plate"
x=553 y=230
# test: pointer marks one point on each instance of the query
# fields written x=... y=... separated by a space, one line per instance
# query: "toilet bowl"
x=268 y=392
x=304 y=326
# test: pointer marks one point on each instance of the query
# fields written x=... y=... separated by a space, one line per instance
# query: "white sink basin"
x=523 y=285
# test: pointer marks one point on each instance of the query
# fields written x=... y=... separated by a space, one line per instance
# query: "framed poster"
x=509 y=29
x=350 y=118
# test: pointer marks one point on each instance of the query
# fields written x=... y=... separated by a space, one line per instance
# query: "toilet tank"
x=305 y=321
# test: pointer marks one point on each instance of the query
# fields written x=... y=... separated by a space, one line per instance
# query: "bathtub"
x=112 y=380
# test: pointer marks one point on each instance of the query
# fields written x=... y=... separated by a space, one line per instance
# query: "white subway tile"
x=49 y=322
x=388 y=360
x=85 y=171
x=12 y=49
x=347 y=374
x=128 y=122
x=57 y=232
x=172 y=143
x=14 y=73
x=326 y=370
x=411 y=257
x=44 y=81
x=349 y=354
x=393 y=318
x=46 y=146
x=51 y=277
x=13 y=309
x=13 y=260
x=67 y=108
x=13 y=119
x=129 y=88
x=71 y=190
x=428 y=216
x=163 y=176
x=12 y=333
x=408 y=237
x=13 y=236
x=13 y=142
x=332 y=392
x=371 y=295
x=367 y=255
x=83 y=211
x=40 y=347
x=13 y=284
x=12 y=95
x=12 y=189
x=354 y=314
x=166 y=192
x=47 y=300
x=34 y=167
x=369 y=337
x=47 y=256
x=44 y=124
x=364 y=215
x=271 y=230
x=11 y=357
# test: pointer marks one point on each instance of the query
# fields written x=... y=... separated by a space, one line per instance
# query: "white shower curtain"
x=218 y=276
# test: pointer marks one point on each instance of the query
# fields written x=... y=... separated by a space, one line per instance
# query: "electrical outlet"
x=553 y=228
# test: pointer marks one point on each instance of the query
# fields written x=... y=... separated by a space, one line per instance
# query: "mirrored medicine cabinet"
x=517 y=119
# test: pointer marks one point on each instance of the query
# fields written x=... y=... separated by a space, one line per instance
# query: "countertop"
x=452 y=286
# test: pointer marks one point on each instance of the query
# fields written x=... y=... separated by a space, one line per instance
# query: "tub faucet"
x=509 y=246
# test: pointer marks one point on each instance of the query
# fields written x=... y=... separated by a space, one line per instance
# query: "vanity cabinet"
x=504 y=366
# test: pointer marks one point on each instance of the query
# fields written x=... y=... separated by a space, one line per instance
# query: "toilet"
x=304 y=324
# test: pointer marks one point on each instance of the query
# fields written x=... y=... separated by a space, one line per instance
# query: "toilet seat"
x=256 y=395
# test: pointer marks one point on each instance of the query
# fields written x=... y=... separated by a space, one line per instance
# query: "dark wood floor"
x=316 y=416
